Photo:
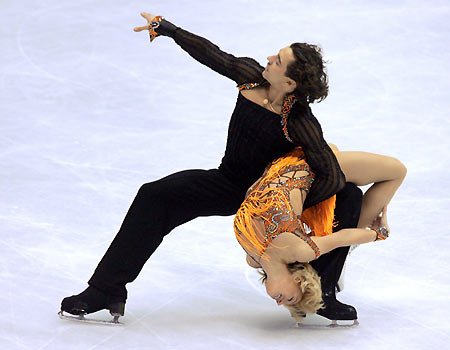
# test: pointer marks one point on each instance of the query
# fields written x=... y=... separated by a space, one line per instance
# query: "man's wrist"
x=166 y=28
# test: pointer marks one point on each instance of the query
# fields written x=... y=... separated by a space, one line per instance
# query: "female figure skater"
x=272 y=116
x=269 y=225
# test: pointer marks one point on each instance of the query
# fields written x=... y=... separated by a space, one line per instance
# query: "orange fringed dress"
x=268 y=201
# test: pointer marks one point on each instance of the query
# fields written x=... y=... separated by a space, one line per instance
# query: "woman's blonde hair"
x=309 y=283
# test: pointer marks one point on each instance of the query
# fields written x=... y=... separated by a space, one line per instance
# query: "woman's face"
x=283 y=289
x=277 y=64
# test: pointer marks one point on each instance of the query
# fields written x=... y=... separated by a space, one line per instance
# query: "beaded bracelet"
x=382 y=233
x=153 y=25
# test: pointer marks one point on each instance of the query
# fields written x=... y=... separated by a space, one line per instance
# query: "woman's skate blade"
x=323 y=323
x=81 y=318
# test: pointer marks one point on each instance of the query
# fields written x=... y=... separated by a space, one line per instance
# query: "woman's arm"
x=378 y=230
x=288 y=250
x=344 y=238
x=305 y=131
x=240 y=69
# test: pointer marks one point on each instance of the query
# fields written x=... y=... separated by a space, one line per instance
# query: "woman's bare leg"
x=363 y=168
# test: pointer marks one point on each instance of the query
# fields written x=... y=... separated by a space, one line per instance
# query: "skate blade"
x=333 y=324
x=81 y=318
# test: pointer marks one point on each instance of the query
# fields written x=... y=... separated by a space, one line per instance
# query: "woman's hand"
x=380 y=225
x=149 y=17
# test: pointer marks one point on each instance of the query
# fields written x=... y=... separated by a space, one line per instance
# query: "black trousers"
x=162 y=205
x=348 y=207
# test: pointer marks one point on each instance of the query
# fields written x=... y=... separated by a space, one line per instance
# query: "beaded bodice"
x=268 y=205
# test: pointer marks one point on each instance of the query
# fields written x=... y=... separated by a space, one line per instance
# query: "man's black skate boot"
x=347 y=211
x=335 y=311
x=92 y=300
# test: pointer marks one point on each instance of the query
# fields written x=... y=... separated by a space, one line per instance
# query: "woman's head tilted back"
x=308 y=71
x=308 y=281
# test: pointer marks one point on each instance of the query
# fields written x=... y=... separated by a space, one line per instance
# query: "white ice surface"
x=89 y=111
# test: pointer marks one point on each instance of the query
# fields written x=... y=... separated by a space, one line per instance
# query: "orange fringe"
x=318 y=218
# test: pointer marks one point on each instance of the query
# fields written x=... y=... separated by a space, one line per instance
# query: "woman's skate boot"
x=92 y=300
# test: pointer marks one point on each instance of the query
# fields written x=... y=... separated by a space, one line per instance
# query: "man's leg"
x=158 y=208
x=329 y=266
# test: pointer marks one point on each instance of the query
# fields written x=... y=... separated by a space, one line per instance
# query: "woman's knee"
x=363 y=168
x=399 y=167
x=393 y=168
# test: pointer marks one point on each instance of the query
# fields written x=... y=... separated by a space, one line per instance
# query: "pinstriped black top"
x=255 y=135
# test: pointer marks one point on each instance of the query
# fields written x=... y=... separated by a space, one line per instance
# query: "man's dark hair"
x=308 y=71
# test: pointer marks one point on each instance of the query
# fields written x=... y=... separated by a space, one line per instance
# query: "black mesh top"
x=255 y=135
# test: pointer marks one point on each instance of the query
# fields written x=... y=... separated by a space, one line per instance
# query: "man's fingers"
x=140 y=29
x=148 y=16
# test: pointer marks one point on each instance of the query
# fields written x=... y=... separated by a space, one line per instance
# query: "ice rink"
x=90 y=110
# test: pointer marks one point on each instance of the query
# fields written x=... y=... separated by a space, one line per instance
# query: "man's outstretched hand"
x=149 y=17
